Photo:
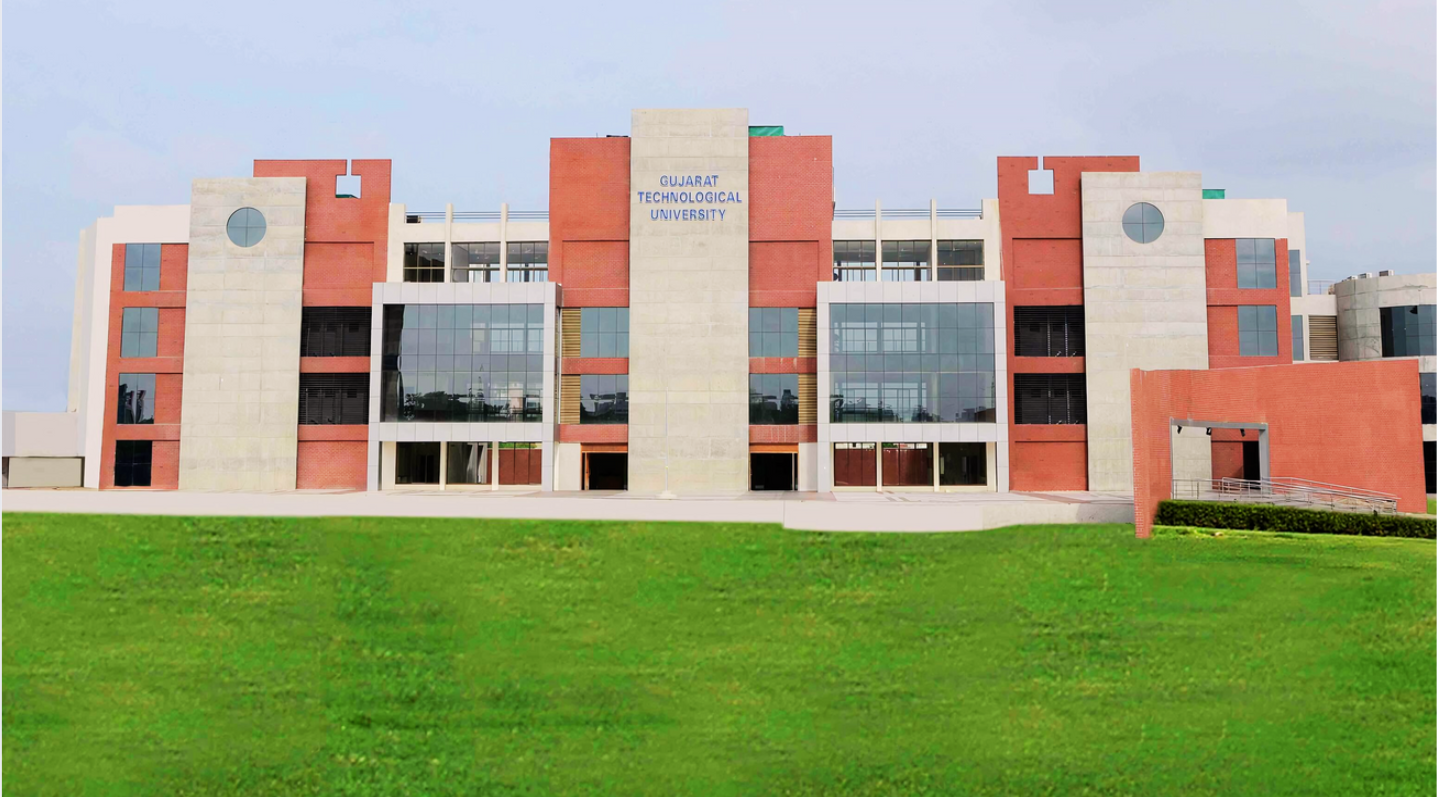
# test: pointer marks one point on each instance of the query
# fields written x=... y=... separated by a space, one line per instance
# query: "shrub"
x=1265 y=517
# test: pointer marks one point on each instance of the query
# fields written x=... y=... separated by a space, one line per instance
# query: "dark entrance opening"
x=773 y=471
x=607 y=472
x=1429 y=465
x=1251 y=461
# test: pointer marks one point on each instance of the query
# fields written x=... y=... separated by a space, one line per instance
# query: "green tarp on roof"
x=1214 y=193
x=765 y=130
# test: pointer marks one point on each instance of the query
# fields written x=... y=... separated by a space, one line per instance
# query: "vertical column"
x=933 y=241
x=688 y=301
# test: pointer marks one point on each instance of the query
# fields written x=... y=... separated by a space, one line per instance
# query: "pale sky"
x=1330 y=105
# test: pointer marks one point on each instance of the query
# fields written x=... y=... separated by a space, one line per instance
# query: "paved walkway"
x=856 y=511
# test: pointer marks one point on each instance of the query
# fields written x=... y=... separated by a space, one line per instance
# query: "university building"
x=692 y=315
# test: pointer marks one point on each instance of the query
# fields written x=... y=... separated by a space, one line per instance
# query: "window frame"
x=910 y=258
x=596 y=388
x=333 y=399
x=1061 y=400
x=471 y=259
x=604 y=332
x=1257 y=263
x=529 y=262
x=855 y=258
x=781 y=411
x=138 y=406
x=1253 y=331
x=773 y=332
x=419 y=261
x=142 y=267
x=135 y=460
x=1427 y=389
x=1417 y=338
x=140 y=332
x=335 y=331
x=959 y=260
x=1034 y=329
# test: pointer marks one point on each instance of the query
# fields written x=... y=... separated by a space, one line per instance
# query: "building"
x=691 y=315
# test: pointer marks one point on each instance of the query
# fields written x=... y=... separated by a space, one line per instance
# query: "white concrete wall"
x=42 y=434
x=44 y=472
x=168 y=224
x=568 y=466
x=545 y=293
x=1243 y=218
x=239 y=415
x=1359 y=318
x=808 y=454
x=688 y=308
x=987 y=291
x=1145 y=304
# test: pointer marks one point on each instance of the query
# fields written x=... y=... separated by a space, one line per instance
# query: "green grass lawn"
x=432 y=657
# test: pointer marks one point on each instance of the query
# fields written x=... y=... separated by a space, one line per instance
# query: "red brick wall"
x=363 y=223
x=1226 y=460
x=164 y=465
x=593 y=433
x=783 y=365
x=790 y=219
x=589 y=220
x=786 y=273
x=1042 y=263
x=1352 y=423
x=167 y=366
x=1224 y=297
x=594 y=365
x=794 y=433
x=332 y=464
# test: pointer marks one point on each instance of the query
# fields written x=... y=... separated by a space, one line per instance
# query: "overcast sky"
x=1330 y=105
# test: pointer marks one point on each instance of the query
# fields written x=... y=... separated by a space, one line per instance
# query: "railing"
x=905 y=213
x=1286 y=491
x=1319 y=287
x=478 y=215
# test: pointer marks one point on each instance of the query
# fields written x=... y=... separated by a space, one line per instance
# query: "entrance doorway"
x=773 y=471
x=607 y=471
x=1251 y=461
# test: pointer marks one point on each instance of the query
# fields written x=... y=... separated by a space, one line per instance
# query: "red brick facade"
x=1043 y=267
x=1351 y=423
x=1224 y=297
x=589 y=220
x=790 y=219
x=331 y=464
x=167 y=366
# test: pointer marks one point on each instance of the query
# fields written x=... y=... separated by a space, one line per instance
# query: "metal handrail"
x=422 y=216
x=905 y=213
x=477 y=215
x=528 y=215
x=1319 y=287
x=1286 y=491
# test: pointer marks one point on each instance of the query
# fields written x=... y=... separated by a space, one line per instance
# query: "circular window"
x=1143 y=223
x=246 y=227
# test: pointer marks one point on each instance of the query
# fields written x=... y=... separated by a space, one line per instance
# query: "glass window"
x=604 y=332
x=1428 y=385
x=140 y=332
x=334 y=331
x=136 y=399
x=333 y=399
x=463 y=363
x=1409 y=331
x=1143 y=222
x=529 y=261
x=475 y=262
x=1294 y=272
x=773 y=332
x=424 y=262
x=1257 y=330
x=1256 y=263
x=132 y=463
x=416 y=463
x=1299 y=350
x=772 y=399
x=1048 y=331
x=246 y=227
x=468 y=463
x=142 y=267
x=962 y=464
x=604 y=398
x=1050 y=398
x=854 y=261
x=912 y=363
x=905 y=261
x=960 y=261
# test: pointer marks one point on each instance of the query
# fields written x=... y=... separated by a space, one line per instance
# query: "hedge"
x=1266 y=517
